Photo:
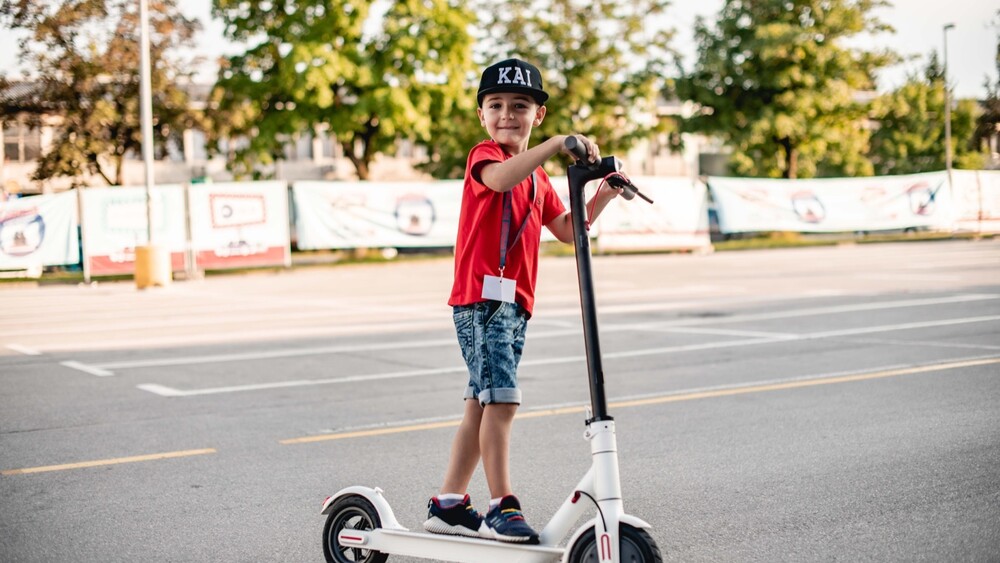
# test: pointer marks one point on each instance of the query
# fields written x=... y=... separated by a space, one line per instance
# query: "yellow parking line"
x=374 y=432
x=662 y=399
x=803 y=383
x=100 y=462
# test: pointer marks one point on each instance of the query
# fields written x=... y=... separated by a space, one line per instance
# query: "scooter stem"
x=579 y=174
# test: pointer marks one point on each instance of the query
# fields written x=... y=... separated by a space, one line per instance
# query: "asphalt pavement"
x=813 y=404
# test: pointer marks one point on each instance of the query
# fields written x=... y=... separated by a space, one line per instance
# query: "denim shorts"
x=491 y=335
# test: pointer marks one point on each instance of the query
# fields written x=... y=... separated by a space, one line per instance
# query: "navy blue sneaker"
x=458 y=520
x=505 y=522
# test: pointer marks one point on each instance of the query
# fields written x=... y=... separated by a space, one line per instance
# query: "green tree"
x=988 y=123
x=908 y=134
x=602 y=62
x=777 y=83
x=84 y=56
x=368 y=79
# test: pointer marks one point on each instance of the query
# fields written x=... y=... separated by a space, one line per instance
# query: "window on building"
x=21 y=143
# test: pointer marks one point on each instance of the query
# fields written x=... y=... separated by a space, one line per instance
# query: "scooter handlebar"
x=608 y=165
x=576 y=147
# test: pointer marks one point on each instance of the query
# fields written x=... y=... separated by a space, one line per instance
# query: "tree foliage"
x=366 y=78
x=602 y=62
x=988 y=123
x=777 y=81
x=85 y=59
x=909 y=133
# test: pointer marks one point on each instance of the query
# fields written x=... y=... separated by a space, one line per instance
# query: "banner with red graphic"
x=916 y=201
x=38 y=231
x=338 y=215
x=676 y=220
x=976 y=194
x=239 y=225
x=114 y=224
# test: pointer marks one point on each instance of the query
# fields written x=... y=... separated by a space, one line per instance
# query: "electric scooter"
x=361 y=527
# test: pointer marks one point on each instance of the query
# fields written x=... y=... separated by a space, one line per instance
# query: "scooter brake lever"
x=629 y=191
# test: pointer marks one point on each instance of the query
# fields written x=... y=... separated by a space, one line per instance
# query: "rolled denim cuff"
x=503 y=395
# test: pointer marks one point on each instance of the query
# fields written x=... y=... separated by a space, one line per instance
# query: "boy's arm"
x=562 y=226
x=503 y=176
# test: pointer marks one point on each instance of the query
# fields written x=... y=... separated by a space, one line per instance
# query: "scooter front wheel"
x=350 y=513
x=636 y=546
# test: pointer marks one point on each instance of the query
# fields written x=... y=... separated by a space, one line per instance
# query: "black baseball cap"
x=512 y=75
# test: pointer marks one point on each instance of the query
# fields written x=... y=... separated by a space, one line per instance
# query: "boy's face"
x=509 y=117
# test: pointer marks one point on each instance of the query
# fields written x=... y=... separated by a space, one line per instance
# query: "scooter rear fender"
x=375 y=497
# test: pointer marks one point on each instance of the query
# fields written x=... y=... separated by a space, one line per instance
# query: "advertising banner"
x=114 y=224
x=239 y=225
x=976 y=195
x=337 y=215
x=833 y=205
x=39 y=231
x=676 y=220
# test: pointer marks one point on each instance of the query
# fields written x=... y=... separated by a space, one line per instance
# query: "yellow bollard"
x=152 y=266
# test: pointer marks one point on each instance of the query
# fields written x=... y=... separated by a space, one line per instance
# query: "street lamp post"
x=152 y=262
x=146 y=112
x=947 y=105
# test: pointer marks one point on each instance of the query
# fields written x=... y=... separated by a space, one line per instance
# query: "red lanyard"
x=505 y=226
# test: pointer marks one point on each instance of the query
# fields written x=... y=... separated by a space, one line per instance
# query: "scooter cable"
x=593 y=204
x=593 y=500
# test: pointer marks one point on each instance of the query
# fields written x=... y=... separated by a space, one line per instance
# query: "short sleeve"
x=482 y=154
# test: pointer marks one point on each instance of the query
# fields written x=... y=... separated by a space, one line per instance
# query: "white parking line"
x=725 y=332
x=165 y=391
x=901 y=326
x=837 y=309
x=92 y=370
x=24 y=350
x=107 y=368
x=271 y=354
x=668 y=326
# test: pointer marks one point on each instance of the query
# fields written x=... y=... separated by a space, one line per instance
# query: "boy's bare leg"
x=494 y=443
x=464 y=450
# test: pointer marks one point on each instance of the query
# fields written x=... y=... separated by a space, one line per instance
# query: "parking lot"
x=795 y=404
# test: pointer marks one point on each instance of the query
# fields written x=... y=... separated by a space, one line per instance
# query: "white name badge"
x=499 y=289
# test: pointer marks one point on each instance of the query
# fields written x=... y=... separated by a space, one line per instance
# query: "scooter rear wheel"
x=350 y=513
x=636 y=546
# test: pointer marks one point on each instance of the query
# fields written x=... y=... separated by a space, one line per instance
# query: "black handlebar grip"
x=576 y=147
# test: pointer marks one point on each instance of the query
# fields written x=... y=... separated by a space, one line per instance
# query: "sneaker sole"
x=491 y=534
x=436 y=525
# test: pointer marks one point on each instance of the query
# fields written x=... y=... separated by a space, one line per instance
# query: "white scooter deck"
x=448 y=548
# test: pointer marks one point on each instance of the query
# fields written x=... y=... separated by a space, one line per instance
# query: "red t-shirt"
x=477 y=248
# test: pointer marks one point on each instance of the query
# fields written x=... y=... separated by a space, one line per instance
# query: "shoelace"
x=512 y=514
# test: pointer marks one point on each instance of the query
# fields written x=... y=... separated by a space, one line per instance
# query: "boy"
x=506 y=199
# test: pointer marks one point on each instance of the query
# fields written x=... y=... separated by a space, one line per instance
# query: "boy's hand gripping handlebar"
x=614 y=177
